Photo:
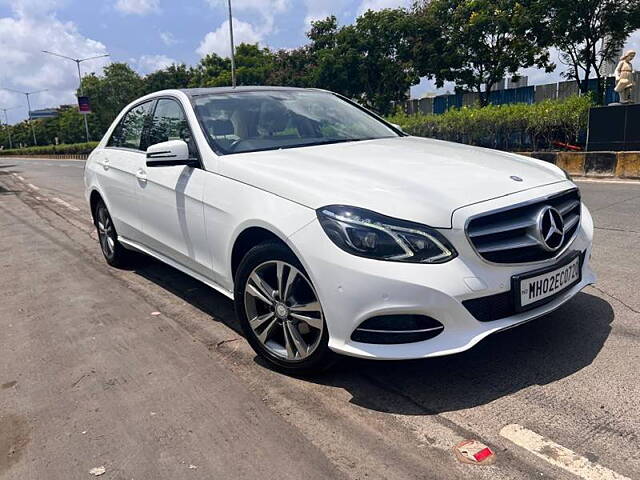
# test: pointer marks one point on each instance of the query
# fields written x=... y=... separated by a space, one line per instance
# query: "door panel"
x=173 y=221
x=171 y=196
x=116 y=169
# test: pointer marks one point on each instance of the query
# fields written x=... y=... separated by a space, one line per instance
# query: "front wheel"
x=280 y=312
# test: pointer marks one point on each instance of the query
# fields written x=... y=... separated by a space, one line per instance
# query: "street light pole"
x=27 y=94
x=6 y=122
x=233 y=55
x=86 y=124
x=33 y=130
x=78 y=62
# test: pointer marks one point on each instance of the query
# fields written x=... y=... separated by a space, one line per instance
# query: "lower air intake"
x=397 y=329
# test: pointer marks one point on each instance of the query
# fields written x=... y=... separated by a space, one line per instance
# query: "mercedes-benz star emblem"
x=550 y=229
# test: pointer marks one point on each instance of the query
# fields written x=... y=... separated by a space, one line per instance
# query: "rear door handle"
x=141 y=175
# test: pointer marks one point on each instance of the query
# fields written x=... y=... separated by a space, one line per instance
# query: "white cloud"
x=381 y=4
x=318 y=10
x=243 y=32
x=24 y=67
x=218 y=40
x=137 y=7
x=150 y=63
x=268 y=9
x=168 y=39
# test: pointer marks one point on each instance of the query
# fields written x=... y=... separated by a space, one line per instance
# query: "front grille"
x=511 y=235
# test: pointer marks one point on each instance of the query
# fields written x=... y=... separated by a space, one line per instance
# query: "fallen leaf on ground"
x=97 y=471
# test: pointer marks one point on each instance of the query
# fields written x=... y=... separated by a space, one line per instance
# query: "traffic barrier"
x=593 y=164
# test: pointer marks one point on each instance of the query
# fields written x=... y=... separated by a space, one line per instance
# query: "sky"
x=151 y=34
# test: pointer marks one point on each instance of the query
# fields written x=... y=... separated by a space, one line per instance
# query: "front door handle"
x=141 y=175
x=105 y=164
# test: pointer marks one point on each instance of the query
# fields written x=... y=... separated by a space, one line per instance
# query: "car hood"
x=418 y=179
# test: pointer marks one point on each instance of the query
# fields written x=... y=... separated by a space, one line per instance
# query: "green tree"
x=476 y=43
x=367 y=61
x=109 y=94
x=174 y=76
x=209 y=68
x=589 y=33
x=70 y=126
x=292 y=68
x=386 y=68
x=253 y=67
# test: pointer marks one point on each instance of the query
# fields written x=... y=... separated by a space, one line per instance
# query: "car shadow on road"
x=538 y=353
x=198 y=294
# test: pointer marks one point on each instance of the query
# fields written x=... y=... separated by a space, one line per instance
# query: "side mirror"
x=171 y=153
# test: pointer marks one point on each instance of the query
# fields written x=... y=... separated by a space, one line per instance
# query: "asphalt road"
x=90 y=377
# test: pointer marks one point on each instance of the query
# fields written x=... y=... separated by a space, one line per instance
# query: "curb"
x=624 y=165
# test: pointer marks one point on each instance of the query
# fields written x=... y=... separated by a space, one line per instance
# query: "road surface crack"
x=616 y=298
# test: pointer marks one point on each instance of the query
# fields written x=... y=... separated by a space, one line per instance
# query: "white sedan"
x=332 y=230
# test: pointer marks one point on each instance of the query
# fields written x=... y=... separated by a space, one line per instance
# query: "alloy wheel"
x=106 y=232
x=283 y=310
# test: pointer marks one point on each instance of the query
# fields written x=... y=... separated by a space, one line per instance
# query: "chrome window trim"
x=559 y=253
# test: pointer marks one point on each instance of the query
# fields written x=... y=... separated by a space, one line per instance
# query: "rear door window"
x=129 y=132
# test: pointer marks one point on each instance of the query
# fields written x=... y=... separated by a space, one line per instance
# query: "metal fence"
x=530 y=94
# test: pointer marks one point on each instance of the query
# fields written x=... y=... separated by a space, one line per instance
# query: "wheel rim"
x=106 y=232
x=283 y=310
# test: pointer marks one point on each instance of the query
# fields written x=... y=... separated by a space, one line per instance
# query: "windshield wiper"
x=337 y=140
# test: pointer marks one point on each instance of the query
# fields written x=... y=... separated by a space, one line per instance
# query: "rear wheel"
x=114 y=253
x=280 y=312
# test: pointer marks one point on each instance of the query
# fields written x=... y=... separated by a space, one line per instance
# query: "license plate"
x=535 y=288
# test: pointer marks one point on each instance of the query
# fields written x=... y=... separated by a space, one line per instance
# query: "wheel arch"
x=248 y=238
x=94 y=197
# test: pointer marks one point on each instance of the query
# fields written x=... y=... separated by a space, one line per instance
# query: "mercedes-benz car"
x=332 y=230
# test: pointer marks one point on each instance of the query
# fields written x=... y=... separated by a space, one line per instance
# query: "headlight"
x=369 y=234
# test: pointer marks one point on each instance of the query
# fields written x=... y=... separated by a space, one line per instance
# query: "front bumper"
x=353 y=289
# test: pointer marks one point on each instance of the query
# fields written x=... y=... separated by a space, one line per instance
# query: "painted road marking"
x=65 y=204
x=558 y=455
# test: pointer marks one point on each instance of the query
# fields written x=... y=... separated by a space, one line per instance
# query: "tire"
x=277 y=330
x=114 y=253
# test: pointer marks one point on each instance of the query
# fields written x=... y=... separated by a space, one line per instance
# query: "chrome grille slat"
x=567 y=207
x=510 y=235
x=507 y=245
x=502 y=228
x=570 y=221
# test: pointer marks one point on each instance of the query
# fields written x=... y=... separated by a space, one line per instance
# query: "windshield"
x=273 y=119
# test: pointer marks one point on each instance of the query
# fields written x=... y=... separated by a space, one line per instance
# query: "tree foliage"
x=589 y=33
x=476 y=43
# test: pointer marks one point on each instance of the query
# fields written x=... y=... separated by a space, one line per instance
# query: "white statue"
x=624 y=76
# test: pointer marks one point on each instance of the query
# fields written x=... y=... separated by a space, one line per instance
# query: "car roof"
x=195 y=92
